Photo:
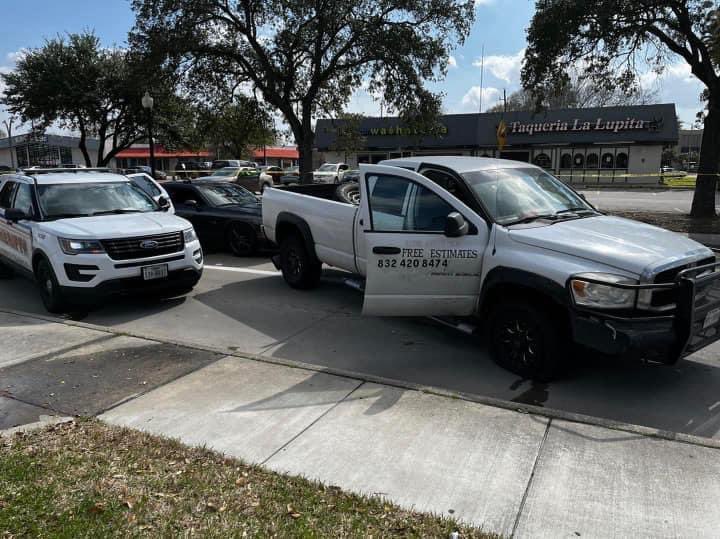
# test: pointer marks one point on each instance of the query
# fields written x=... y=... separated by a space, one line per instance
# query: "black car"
x=225 y=215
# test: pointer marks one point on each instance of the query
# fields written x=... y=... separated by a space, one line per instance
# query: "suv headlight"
x=603 y=296
x=76 y=247
x=189 y=235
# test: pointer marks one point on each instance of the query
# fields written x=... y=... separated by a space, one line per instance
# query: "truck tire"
x=526 y=340
x=50 y=292
x=349 y=192
x=298 y=268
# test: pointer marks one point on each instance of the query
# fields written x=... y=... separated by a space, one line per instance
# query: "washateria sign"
x=402 y=131
x=559 y=126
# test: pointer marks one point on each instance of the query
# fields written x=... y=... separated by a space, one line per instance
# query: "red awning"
x=160 y=152
x=277 y=152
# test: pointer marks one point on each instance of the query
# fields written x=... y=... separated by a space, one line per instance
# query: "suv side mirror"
x=163 y=203
x=456 y=225
x=14 y=215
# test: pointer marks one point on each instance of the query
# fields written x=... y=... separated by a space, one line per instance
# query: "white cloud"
x=452 y=62
x=479 y=3
x=470 y=102
x=505 y=67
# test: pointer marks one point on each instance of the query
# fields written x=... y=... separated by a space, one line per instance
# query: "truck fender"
x=289 y=223
x=502 y=280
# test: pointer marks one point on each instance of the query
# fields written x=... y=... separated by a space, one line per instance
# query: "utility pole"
x=482 y=73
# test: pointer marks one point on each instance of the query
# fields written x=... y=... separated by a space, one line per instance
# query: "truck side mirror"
x=14 y=215
x=163 y=203
x=456 y=225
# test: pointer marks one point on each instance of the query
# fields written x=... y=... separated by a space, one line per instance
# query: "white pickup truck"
x=510 y=248
x=86 y=234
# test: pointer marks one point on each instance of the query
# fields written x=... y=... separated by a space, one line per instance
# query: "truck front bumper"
x=692 y=325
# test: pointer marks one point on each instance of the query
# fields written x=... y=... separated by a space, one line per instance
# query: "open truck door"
x=424 y=248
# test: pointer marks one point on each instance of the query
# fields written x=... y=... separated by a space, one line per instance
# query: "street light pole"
x=147 y=103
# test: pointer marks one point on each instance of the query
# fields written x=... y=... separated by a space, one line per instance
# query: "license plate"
x=155 y=272
x=712 y=318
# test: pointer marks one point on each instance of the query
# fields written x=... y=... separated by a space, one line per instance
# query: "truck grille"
x=145 y=246
x=661 y=298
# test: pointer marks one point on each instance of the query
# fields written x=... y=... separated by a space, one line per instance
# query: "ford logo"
x=149 y=244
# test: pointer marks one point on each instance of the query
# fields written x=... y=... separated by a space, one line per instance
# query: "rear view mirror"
x=456 y=225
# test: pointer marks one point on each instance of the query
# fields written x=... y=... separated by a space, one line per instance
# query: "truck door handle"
x=386 y=250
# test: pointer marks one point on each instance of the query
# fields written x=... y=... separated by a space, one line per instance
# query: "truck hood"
x=117 y=226
x=628 y=245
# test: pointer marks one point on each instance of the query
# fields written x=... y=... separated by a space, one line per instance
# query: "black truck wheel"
x=298 y=267
x=526 y=340
x=50 y=292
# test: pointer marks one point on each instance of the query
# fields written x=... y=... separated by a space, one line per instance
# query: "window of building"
x=543 y=160
x=579 y=161
x=621 y=160
x=608 y=160
x=401 y=204
x=566 y=161
x=592 y=160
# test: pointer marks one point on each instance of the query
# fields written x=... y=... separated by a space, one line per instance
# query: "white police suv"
x=87 y=234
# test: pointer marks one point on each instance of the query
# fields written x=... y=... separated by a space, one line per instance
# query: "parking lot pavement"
x=57 y=370
x=246 y=307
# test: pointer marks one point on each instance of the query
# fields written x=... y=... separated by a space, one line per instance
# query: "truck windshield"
x=512 y=195
x=86 y=199
x=226 y=194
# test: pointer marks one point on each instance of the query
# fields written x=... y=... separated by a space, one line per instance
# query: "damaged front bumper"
x=691 y=326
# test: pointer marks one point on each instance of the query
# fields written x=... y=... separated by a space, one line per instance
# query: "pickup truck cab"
x=85 y=234
x=511 y=249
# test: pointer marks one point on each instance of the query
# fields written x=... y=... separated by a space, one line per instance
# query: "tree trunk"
x=703 y=204
x=83 y=147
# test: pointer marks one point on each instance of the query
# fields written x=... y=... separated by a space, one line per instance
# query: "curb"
x=45 y=421
x=550 y=413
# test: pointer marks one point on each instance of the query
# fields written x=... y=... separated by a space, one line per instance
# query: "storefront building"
x=29 y=150
x=580 y=146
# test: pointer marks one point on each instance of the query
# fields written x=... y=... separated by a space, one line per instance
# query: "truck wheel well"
x=505 y=291
x=292 y=225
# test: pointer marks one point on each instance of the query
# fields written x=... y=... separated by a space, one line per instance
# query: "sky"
x=499 y=26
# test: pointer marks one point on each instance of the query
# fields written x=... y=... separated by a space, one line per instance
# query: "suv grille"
x=667 y=297
x=129 y=248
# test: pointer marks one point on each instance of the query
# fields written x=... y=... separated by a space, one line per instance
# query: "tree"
x=78 y=85
x=348 y=137
x=576 y=93
x=307 y=57
x=611 y=39
x=236 y=128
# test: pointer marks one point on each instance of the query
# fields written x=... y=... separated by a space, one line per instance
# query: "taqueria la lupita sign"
x=578 y=125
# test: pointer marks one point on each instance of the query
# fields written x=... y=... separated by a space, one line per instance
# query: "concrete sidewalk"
x=519 y=474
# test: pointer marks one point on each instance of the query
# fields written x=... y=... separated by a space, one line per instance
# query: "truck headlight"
x=603 y=296
x=189 y=235
x=77 y=247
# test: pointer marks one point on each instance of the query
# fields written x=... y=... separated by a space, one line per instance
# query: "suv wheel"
x=241 y=239
x=50 y=292
x=526 y=341
x=298 y=268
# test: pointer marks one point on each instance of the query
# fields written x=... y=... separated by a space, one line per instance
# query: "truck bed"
x=331 y=222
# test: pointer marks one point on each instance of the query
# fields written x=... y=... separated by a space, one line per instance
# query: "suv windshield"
x=87 y=199
x=225 y=172
x=226 y=194
x=327 y=168
x=511 y=195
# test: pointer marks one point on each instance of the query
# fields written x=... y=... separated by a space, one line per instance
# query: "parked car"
x=223 y=163
x=152 y=188
x=269 y=176
x=225 y=215
x=290 y=176
x=84 y=235
x=503 y=247
x=160 y=175
x=330 y=173
x=352 y=175
x=229 y=174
